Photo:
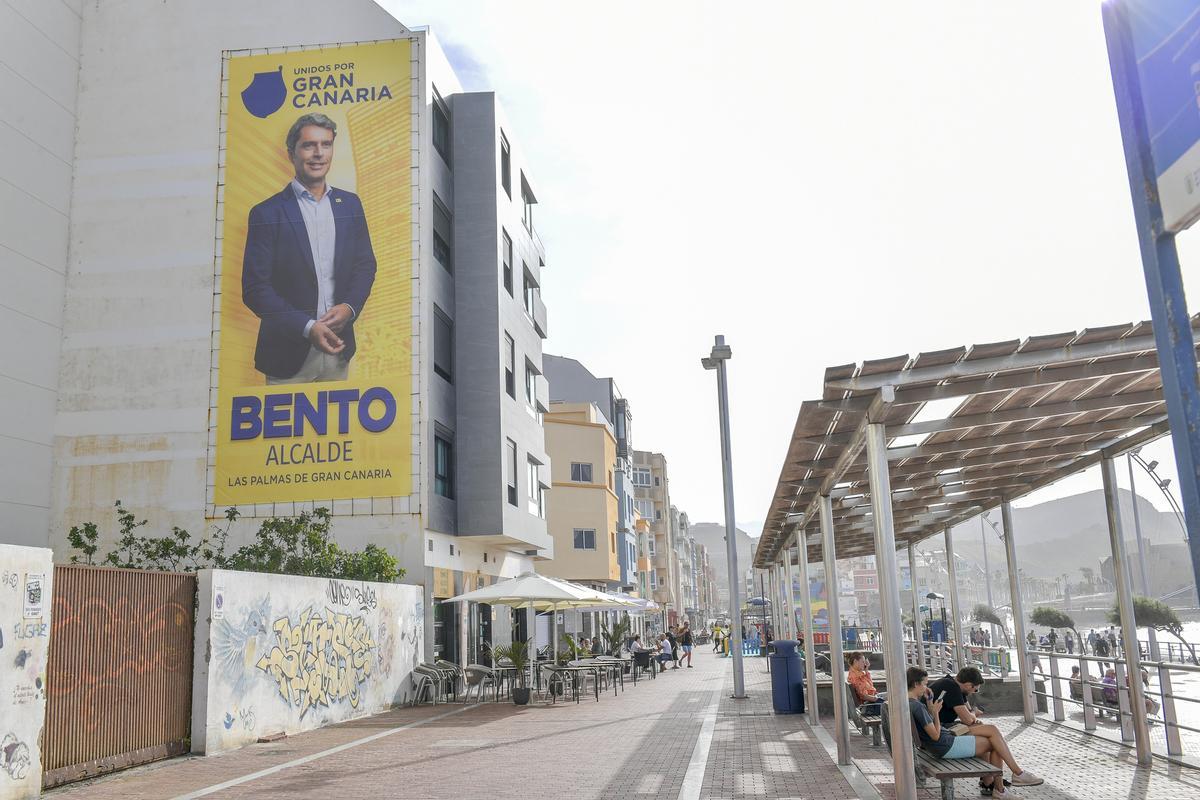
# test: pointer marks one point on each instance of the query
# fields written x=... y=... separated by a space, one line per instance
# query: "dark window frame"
x=443 y=466
x=441 y=127
x=506 y=260
x=446 y=371
x=505 y=165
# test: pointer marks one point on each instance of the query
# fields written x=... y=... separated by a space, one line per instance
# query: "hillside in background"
x=1064 y=534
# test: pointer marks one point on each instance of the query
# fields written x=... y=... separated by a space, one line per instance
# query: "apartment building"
x=572 y=382
x=653 y=500
x=121 y=237
x=582 y=506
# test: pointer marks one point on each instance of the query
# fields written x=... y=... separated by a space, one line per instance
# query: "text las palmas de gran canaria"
x=287 y=415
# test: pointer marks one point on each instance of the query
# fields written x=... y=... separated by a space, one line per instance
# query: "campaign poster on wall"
x=315 y=259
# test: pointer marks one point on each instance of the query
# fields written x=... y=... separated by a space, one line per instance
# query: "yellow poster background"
x=373 y=159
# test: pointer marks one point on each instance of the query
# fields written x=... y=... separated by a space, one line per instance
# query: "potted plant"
x=516 y=653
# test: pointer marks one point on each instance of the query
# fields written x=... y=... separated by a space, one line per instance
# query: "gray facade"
x=482 y=407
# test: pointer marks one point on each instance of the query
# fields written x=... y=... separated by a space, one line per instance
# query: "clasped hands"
x=324 y=332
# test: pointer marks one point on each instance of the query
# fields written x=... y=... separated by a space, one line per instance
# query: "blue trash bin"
x=787 y=678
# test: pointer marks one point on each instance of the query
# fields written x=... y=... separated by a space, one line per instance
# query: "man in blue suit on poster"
x=308 y=267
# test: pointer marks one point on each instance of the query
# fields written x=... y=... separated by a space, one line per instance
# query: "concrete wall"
x=284 y=654
x=134 y=383
x=39 y=62
x=25 y=592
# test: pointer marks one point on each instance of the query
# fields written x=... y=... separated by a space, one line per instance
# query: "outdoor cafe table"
x=577 y=671
x=505 y=674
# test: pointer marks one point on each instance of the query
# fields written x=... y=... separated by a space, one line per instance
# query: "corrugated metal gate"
x=119 y=678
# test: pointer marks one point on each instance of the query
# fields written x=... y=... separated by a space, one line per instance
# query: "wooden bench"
x=866 y=723
x=944 y=770
x=947 y=769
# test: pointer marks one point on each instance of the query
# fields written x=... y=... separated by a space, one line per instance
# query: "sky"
x=820 y=182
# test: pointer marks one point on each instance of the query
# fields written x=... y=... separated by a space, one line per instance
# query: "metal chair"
x=479 y=678
x=455 y=671
x=422 y=684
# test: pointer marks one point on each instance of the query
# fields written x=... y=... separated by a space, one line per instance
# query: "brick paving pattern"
x=1076 y=766
x=636 y=746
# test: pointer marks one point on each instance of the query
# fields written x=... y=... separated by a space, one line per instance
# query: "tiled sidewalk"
x=1076 y=766
x=638 y=745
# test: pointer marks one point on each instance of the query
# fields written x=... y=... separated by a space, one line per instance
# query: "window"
x=657 y=481
x=431 y=545
x=641 y=477
x=443 y=345
x=443 y=234
x=536 y=495
x=581 y=473
x=585 y=539
x=528 y=289
x=510 y=470
x=506 y=260
x=443 y=468
x=657 y=514
x=451 y=549
x=613 y=537
x=650 y=542
x=510 y=360
x=645 y=507
x=610 y=481
x=441 y=126
x=531 y=374
x=653 y=579
x=505 y=165
x=527 y=203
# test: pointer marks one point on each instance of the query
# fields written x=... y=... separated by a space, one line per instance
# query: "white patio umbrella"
x=542 y=593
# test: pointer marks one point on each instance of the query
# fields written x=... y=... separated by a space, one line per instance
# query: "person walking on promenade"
x=686 y=641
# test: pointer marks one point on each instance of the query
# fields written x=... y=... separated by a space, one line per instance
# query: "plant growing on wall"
x=299 y=545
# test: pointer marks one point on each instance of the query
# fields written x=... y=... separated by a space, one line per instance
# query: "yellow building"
x=581 y=507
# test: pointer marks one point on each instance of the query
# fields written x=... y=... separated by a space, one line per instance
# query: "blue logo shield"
x=265 y=94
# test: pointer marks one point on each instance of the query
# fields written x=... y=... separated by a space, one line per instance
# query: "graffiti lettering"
x=30 y=630
x=320 y=659
x=10 y=580
x=344 y=594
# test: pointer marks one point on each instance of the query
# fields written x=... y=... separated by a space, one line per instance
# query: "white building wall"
x=134 y=383
x=39 y=68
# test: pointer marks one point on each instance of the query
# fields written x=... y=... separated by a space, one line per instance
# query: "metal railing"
x=939 y=657
x=1105 y=694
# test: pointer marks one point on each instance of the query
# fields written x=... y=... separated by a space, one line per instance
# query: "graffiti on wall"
x=320 y=659
x=14 y=757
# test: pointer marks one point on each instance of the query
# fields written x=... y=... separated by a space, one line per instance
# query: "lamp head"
x=1165 y=483
x=708 y=363
x=1152 y=465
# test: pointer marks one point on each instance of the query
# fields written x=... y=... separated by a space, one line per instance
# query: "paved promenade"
x=675 y=737
x=678 y=737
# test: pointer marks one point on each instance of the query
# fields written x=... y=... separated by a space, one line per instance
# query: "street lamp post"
x=721 y=353
x=987 y=571
x=1141 y=546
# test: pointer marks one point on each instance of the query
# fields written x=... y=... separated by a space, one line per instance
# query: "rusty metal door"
x=119 y=677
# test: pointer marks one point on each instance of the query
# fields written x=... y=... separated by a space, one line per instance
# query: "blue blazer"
x=279 y=279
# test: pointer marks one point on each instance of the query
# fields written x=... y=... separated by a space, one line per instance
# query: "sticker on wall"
x=34 y=598
x=218 y=609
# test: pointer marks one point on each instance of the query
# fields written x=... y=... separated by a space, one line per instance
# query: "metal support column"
x=1028 y=701
x=955 y=608
x=789 y=592
x=1160 y=267
x=919 y=659
x=810 y=655
x=1137 y=700
x=837 y=662
x=899 y=717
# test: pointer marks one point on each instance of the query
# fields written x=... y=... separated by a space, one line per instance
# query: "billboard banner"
x=315 y=328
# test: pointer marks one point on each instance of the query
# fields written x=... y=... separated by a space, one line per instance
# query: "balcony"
x=539 y=314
